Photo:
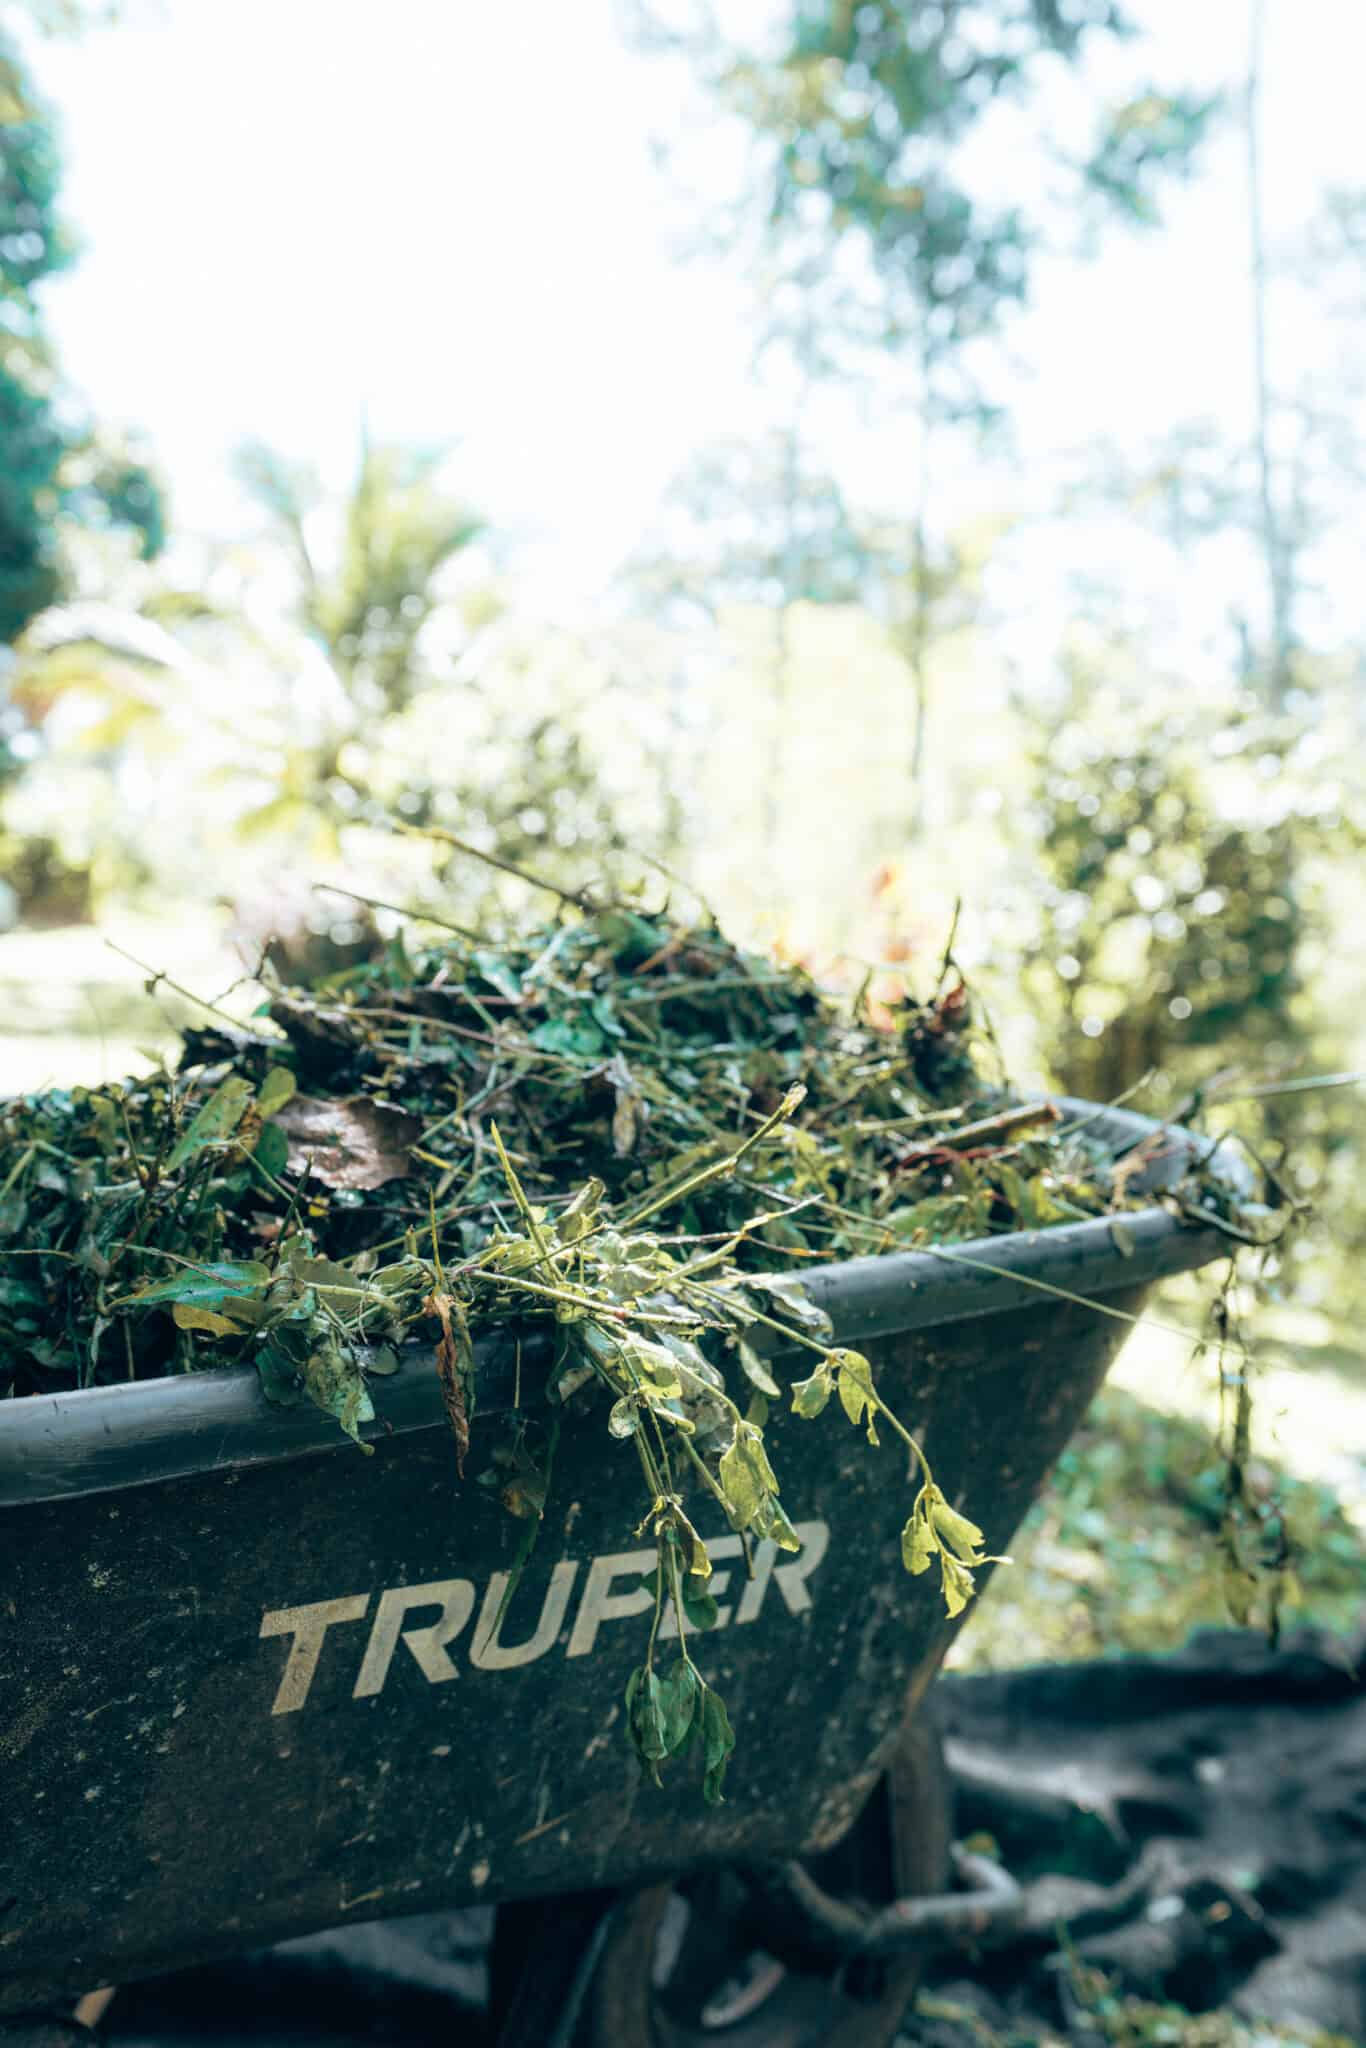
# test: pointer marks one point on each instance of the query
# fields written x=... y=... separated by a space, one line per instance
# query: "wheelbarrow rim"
x=103 y=1439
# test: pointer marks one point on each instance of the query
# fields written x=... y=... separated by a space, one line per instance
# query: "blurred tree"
x=369 y=580
x=1185 y=851
x=754 y=525
x=866 y=117
x=1172 y=930
x=389 y=590
x=368 y=606
x=31 y=247
x=347 y=669
x=52 y=470
x=750 y=524
x=1193 y=860
x=1276 y=555
x=862 y=110
x=1196 y=853
x=59 y=17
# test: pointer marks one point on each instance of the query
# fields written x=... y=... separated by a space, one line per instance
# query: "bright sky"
x=448 y=216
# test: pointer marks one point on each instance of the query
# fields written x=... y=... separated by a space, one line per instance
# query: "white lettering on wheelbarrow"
x=454 y=1601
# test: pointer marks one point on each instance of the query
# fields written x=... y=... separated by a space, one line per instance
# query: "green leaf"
x=498 y=973
x=223 y=1284
x=645 y=1718
x=216 y=1122
x=856 y=1389
x=272 y=1151
x=697 y=1373
x=656 y=1366
x=1012 y=1185
x=755 y=1371
x=1042 y=1209
x=700 y=1609
x=605 y=1015
x=570 y=1036
x=679 y=1698
x=718 y=1742
x=854 y=1366
x=336 y=1285
x=276 y=1090
x=852 y=1399
x=580 y=1213
x=281 y=1380
x=632 y=939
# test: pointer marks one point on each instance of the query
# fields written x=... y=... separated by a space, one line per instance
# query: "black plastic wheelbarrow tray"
x=252 y=1682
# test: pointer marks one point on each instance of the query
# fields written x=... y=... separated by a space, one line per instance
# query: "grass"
x=1120 y=1555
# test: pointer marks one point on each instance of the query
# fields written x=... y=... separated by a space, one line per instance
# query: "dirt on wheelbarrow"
x=1190 y=1832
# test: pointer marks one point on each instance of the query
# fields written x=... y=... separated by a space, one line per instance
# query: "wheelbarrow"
x=255 y=1684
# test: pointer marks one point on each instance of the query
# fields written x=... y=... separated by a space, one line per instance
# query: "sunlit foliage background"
x=817 y=688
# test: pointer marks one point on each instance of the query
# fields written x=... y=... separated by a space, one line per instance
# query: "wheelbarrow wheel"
x=681 y=1968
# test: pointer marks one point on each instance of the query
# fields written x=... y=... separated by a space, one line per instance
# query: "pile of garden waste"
x=616 y=1121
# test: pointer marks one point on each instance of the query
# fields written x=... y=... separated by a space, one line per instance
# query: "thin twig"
x=398 y=909
x=157 y=975
x=579 y=898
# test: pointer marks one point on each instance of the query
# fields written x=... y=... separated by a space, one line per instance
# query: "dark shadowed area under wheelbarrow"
x=1189 y=1836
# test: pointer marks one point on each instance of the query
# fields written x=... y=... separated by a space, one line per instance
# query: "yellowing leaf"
x=855 y=1385
x=809 y=1396
x=216 y=1122
x=956 y=1532
x=771 y=1522
x=754 y=1369
x=752 y=1443
x=276 y=1090
x=187 y=1317
x=917 y=1545
x=740 y=1485
x=958 y=1586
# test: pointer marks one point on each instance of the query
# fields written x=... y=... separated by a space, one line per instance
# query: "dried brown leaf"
x=348 y=1141
x=449 y=1366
